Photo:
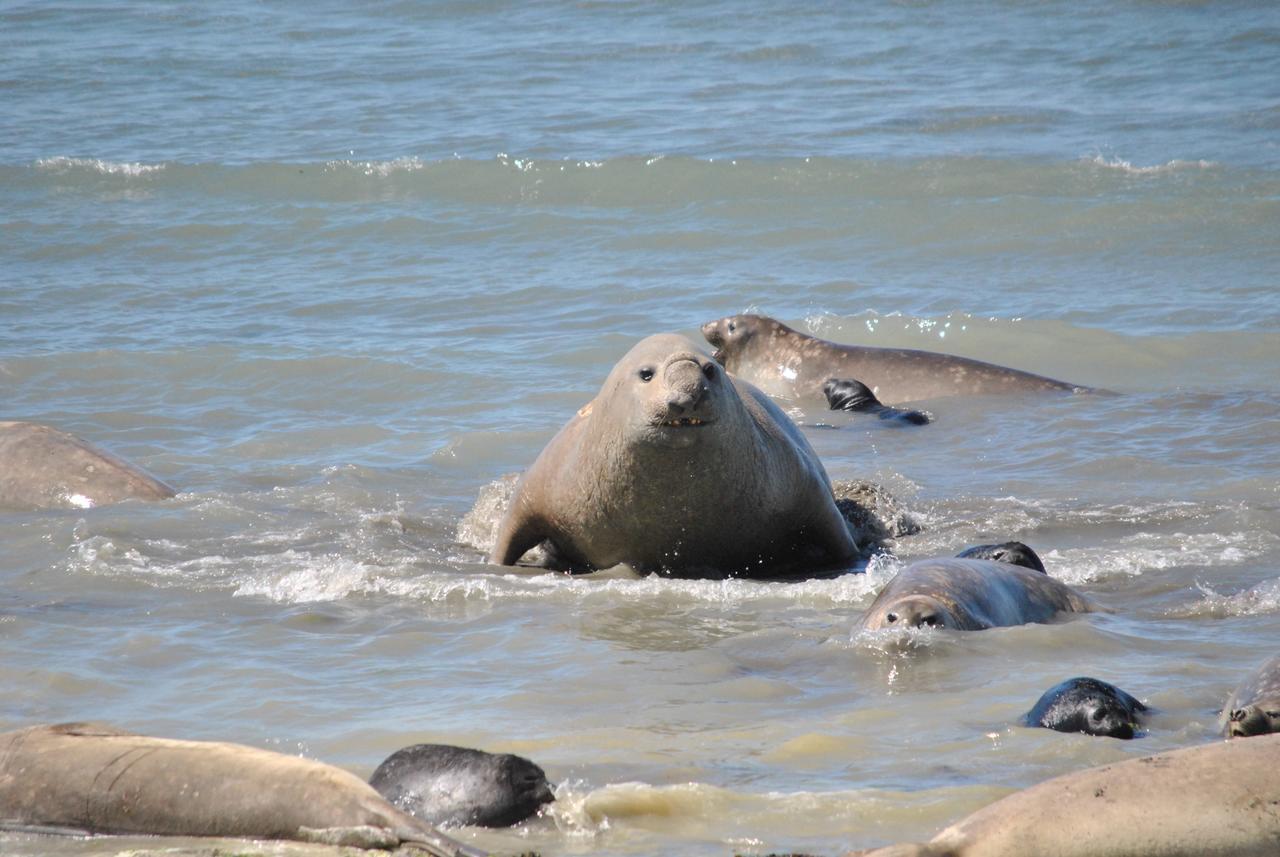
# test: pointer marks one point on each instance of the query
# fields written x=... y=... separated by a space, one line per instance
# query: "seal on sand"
x=1089 y=706
x=448 y=785
x=786 y=363
x=969 y=595
x=852 y=395
x=679 y=468
x=1254 y=706
x=1219 y=799
x=43 y=468
x=1015 y=553
x=98 y=779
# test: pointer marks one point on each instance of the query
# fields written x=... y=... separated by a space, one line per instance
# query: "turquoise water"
x=333 y=270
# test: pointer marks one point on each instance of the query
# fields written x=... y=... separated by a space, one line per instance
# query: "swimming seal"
x=1087 y=705
x=1015 y=553
x=851 y=395
x=1254 y=706
x=1216 y=800
x=969 y=595
x=448 y=785
x=43 y=468
x=676 y=467
x=98 y=779
x=784 y=362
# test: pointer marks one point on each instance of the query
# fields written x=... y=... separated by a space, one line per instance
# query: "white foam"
x=63 y=164
x=1127 y=167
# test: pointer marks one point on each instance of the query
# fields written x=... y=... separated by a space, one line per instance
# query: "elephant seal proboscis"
x=1216 y=800
x=1015 y=553
x=1087 y=705
x=446 y=785
x=849 y=394
x=969 y=595
x=676 y=467
x=1254 y=706
x=43 y=468
x=97 y=779
x=793 y=365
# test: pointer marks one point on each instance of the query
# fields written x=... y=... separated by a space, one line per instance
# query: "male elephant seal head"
x=674 y=393
x=914 y=611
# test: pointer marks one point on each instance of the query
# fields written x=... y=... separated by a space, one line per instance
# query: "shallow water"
x=332 y=272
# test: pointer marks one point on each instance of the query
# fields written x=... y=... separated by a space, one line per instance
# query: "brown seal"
x=1254 y=706
x=969 y=595
x=793 y=365
x=43 y=468
x=676 y=467
x=98 y=779
x=1217 y=800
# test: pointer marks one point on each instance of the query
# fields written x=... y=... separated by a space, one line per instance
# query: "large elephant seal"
x=793 y=365
x=676 y=467
x=98 y=779
x=448 y=785
x=43 y=468
x=1217 y=800
x=1254 y=706
x=1087 y=705
x=969 y=595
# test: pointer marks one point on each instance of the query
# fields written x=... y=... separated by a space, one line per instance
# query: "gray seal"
x=676 y=467
x=43 y=468
x=786 y=363
x=1254 y=707
x=1087 y=705
x=93 y=778
x=446 y=785
x=969 y=595
x=1216 y=800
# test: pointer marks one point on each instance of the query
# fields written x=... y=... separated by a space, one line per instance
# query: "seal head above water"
x=677 y=467
x=448 y=785
x=852 y=395
x=790 y=364
x=1087 y=705
x=1254 y=706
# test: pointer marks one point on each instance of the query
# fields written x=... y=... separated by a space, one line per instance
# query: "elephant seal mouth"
x=686 y=422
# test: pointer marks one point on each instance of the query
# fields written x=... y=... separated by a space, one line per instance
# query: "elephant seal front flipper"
x=849 y=394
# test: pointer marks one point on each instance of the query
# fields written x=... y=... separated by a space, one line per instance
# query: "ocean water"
x=334 y=270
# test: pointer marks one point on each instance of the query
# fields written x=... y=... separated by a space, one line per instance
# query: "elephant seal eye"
x=732 y=327
x=709 y=370
x=646 y=374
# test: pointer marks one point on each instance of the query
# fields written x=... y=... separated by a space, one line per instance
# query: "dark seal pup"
x=97 y=779
x=1254 y=706
x=793 y=365
x=1216 y=800
x=676 y=467
x=448 y=785
x=1089 y=706
x=854 y=396
x=1015 y=553
x=43 y=468
x=969 y=595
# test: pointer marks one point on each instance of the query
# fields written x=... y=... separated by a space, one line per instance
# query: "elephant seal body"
x=676 y=467
x=854 y=396
x=457 y=785
x=1089 y=706
x=969 y=595
x=43 y=468
x=1015 y=553
x=97 y=779
x=1217 y=800
x=1254 y=706
x=786 y=363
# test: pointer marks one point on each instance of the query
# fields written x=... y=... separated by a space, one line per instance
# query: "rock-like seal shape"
x=793 y=365
x=97 y=779
x=43 y=468
x=1015 y=553
x=1216 y=800
x=446 y=785
x=677 y=467
x=969 y=595
x=1087 y=705
x=1254 y=707
x=851 y=395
